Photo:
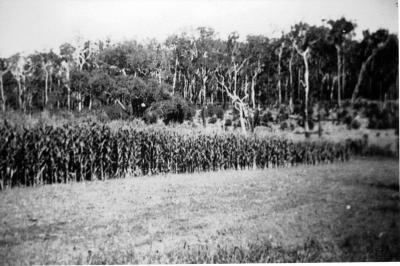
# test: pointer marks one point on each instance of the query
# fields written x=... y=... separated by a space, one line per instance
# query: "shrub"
x=256 y=118
x=173 y=110
x=212 y=120
x=355 y=124
x=217 y=110
x=150 y=118
x=228 y=122
x=382 y=118
x=115 y=112
x=266 y=118
x=283 y=114
x=300 y=123
x=220 y=112
x=284 y=125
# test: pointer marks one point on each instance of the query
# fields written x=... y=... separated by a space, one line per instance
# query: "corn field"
x=47 y=155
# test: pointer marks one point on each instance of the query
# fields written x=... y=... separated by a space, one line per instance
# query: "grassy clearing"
x=340 y=212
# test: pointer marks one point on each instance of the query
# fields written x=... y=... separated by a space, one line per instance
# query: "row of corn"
x=46 y=155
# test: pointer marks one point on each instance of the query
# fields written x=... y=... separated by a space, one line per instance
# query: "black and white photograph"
x=199 y=132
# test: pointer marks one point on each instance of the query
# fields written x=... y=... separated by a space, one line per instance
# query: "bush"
x=283 y=114
x=266 y=118
x=215 y=110
x=150 y=118
x=300 y=122
x=173 y=110
x=383 y=120
x=212 y=120
x=284 y=125
x=115 y=112
x=355 y=124
x=228 y=122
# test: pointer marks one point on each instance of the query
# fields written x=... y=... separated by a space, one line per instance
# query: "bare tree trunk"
x=291 y=83
x=68 y=97
x=343 y=76
x=175 y=74
x=286 y=89
x=238 y=103
x=46 y=89
x=306 y=88
x=159 y=76
x=334 y=80
x=298 y=82
x=339 y=67
x=185 y=88
x=304 y=55
x=279 y=74
x=79 y=101
x=242 y=121
x=253 y=84
x=253 y=93
x=204 y=87
x=2 y=98
x=90 y=101
x=20 y=100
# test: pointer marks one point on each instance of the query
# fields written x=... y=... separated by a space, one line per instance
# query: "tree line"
x=309 y=64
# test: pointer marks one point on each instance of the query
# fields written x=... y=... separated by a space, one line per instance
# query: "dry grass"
x=151 y=219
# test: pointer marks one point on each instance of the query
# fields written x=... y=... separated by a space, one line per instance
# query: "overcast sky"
x=28 y=25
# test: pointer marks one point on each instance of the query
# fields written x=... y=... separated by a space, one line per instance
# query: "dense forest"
x=310 y=64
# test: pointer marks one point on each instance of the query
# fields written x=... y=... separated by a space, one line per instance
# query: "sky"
x=29 y=25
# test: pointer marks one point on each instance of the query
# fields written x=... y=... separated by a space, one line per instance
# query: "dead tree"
x=238 y=102
x=305 y=54
x=256 y=72
x=2 y=97
x=279 y=73
x=20 y=73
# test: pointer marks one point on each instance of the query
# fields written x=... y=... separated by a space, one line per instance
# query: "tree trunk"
x=175 y=74
x=253 y=93
x=286 y=89
x=90 y=101
x=242 y=121
x=19 y=94
x=2 y=97
x=279 y=74
x=79 y=101
x=204 y=88
x=306 y=89
x=291 y=83
x=339 y=67
x=185 y=84
x=334 y=80
x=343 y=77
x=68 y=97
x=46 y=89
x=298 y=83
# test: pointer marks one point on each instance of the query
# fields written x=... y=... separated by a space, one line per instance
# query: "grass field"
x=340 y=212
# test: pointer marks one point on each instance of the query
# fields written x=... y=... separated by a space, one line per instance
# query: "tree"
x=232 y=82
x=5 y=67
x=21 y=67
x=340 y=31
x=304 y=38
x=376 y=43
